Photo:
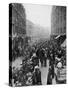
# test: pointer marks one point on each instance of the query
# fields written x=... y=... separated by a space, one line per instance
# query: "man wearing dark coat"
x=49 y=77
x=41 y=55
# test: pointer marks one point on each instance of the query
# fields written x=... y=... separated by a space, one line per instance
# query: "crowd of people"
x=30 y=73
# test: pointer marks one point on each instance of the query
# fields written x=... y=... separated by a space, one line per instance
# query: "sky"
x=38 y=14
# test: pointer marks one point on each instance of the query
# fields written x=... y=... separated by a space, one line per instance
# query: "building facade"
x=58 y=20
x=18 y=20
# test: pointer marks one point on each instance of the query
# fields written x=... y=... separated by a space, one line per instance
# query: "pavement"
x=44 y=74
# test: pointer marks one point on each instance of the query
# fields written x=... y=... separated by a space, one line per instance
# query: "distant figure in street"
x=51 y=64
x=45 y=60
x=36 y=78
x=49 y=77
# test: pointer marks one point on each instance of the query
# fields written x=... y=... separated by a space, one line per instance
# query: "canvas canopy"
x=63 y=44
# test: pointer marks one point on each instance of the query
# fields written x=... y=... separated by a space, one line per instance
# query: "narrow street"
x=44 y=74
